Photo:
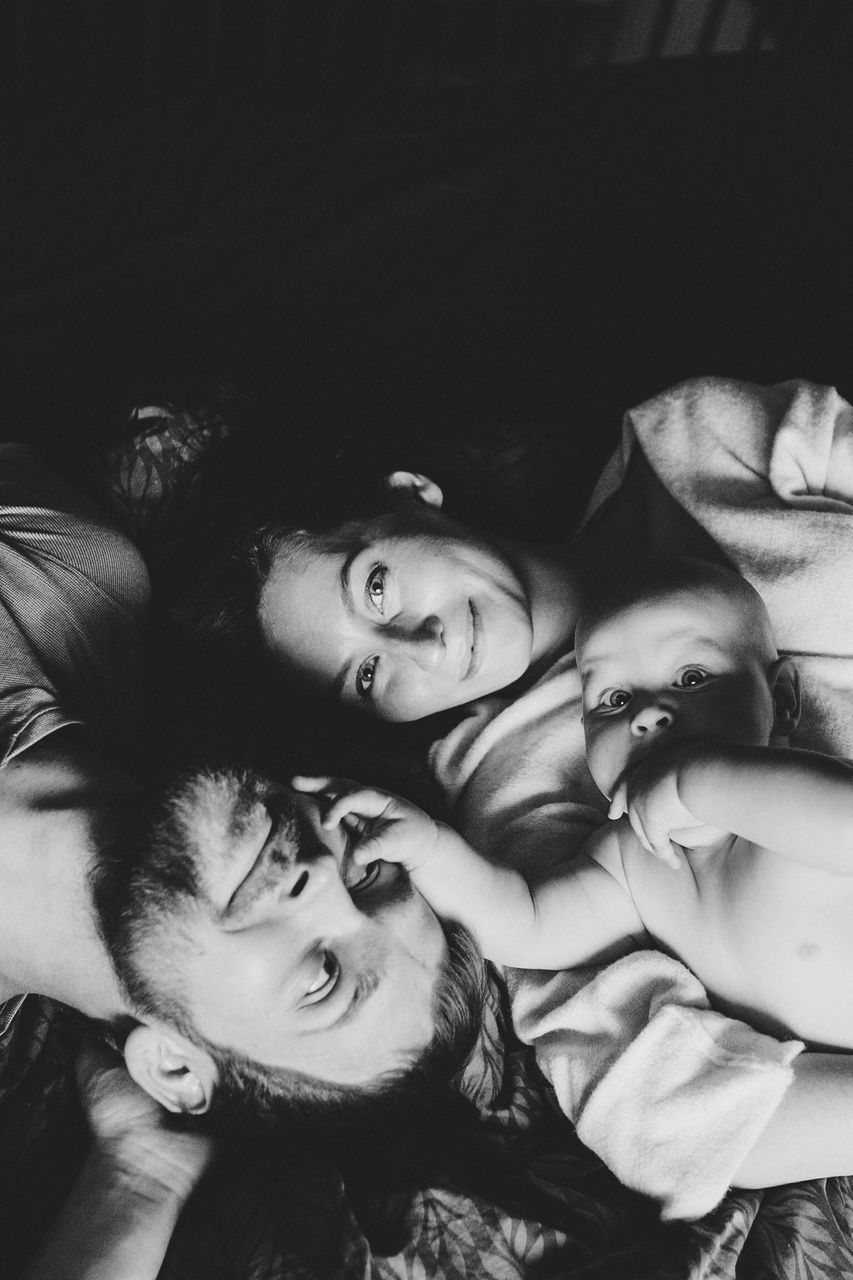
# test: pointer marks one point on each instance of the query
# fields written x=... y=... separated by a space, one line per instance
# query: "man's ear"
x=785 y=686
x=415 y=486
x=177 y=1073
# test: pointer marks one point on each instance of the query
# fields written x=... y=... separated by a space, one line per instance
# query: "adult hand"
x=118 y=1219
x=649 y=795
x=132 y=1134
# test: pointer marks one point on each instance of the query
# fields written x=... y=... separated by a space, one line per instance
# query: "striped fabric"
x=73 y=604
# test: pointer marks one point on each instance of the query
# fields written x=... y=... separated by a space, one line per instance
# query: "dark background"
x=424 y=217
x=434 y=220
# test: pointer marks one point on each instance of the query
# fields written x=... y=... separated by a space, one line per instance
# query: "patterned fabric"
x=537 y=1203
x=147 y=478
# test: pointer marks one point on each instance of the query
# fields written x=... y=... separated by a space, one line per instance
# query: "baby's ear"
x=784 y=679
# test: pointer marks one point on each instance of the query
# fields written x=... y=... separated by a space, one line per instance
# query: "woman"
x=401 y=611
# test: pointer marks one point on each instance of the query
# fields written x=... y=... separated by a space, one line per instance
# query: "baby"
x=729 y=850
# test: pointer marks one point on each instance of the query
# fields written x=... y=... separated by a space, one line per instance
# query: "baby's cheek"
x=603 y=761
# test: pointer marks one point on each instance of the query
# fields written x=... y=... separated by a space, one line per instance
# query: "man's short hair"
x=143 y=886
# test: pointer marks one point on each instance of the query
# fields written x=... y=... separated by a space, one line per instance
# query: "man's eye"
x=691 y=677
x=616 y=698
x=324 y=979
x=365 y=677
x=375 y=587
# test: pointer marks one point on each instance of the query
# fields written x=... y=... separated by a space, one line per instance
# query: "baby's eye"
x=365 y=677
x=375 y=587
x=691 y=677
x=615 y=698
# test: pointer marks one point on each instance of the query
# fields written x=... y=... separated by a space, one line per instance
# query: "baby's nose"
x=650 y=719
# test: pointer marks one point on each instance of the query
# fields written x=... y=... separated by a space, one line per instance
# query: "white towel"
x=637 y=1051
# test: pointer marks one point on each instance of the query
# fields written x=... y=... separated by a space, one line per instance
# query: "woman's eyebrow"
x=346 y=589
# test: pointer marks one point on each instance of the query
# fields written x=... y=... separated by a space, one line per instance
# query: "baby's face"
x=682 y=665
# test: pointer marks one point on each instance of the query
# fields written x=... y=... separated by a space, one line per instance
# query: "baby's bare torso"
x=770 y=938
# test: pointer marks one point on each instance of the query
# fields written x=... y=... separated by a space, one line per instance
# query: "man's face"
x=686 y=665
x=402 y=619
x=294 y=957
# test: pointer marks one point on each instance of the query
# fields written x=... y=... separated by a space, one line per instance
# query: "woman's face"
x=402 y=615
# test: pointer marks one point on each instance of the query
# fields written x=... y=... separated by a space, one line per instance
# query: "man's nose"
x=315 y=886
x=650 y=719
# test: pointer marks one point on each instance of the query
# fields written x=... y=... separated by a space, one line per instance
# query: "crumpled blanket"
x=638 y=1049
x=768 y=473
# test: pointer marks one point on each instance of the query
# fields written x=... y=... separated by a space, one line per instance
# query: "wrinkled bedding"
x=553 y=1209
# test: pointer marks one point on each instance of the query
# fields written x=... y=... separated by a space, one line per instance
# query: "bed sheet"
x=534 y=1201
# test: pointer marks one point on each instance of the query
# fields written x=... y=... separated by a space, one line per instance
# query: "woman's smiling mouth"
x=475 y=649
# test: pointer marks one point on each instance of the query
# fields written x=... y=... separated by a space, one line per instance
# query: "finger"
x=619 y=803
x=638 y=828
x=375 y=849
x=303 y=782
x=662 y=847
x=364 y=803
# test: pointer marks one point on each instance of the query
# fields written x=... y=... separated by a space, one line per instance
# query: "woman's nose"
x=652 y=718
x=425 y=642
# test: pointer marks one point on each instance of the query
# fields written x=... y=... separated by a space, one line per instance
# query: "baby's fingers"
x=657 y=841
x=637 y=827
x=364 y=803
x=665 y=850
x=654 y=838
x=301 y=782
x=619 y=803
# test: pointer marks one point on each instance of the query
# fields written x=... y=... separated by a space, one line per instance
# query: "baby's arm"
x=576 y=915
x=810 y=1135
x=797 y=803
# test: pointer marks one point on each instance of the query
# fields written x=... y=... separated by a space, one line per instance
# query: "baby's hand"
x=648 y=794
x=388 y=828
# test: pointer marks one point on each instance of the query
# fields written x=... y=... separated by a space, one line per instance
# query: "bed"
x=503 y=252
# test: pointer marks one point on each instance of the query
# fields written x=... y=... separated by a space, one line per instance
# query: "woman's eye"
x=616 y=698
x=691 y=677
x=365 y=677
x=375 y=587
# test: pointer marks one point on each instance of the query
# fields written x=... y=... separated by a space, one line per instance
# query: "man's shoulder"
x=58 y=772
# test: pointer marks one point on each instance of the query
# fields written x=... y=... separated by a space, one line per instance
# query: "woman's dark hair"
x=267 y=483
x=257 y=490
